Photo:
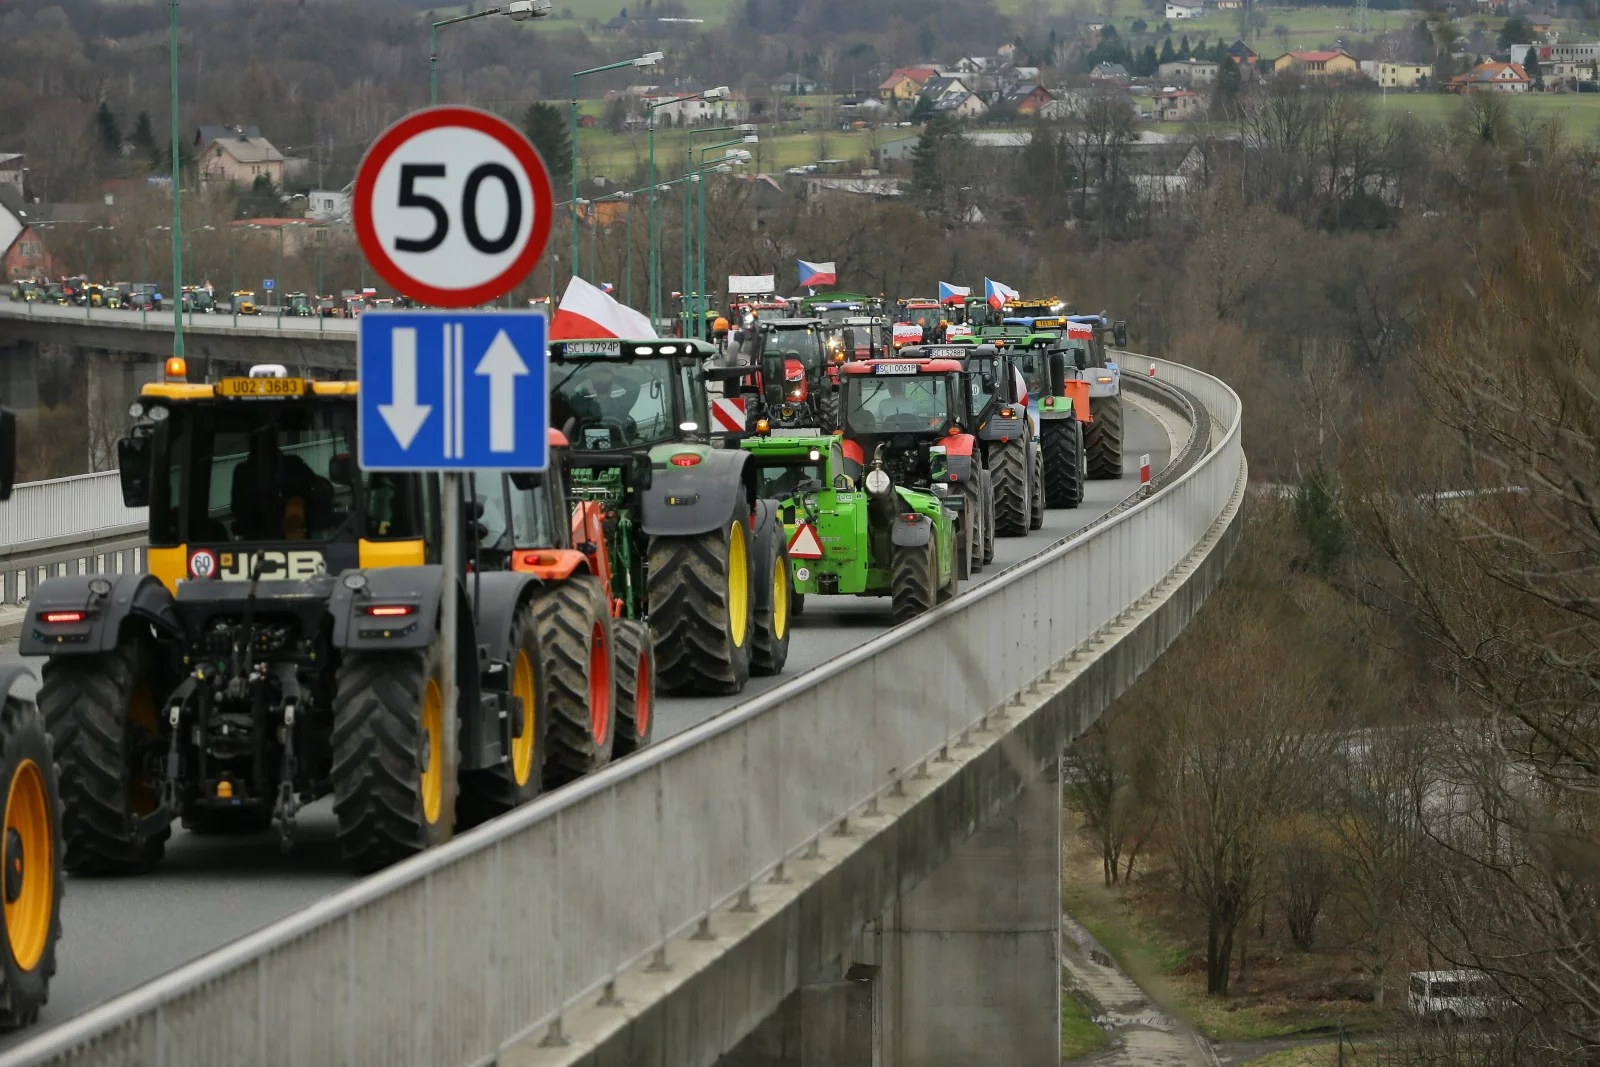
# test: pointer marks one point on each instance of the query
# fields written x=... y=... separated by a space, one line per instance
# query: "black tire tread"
x=1036 y=502
x=1102 y=439
x=689 y=615
x=23 y=736
x=377 y=759
x=631 y=638
x=84 y=700
x=912 y=578
x=1010 y=479
x=565 y=614
x=1063 y=464
x=972 y=515
x=828 y=407
x=768 y=651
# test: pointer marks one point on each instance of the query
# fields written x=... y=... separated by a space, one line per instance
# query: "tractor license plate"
x=896 y=368
x=594 y=348
x=237 y=387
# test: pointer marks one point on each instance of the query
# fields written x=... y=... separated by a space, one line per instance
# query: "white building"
x=1189 y=71
x=329 y=205
x=1184 y=11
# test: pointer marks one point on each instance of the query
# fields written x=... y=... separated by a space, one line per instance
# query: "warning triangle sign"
x=805 y=543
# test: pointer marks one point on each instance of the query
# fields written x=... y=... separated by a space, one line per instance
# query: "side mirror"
x=1119 y=333
x=850 y=343
x=641 y=475
x=8 y=452
x=133 y=462
x=1058 y=373
x=524 y=480
x=342 y=470
x=1080 y=359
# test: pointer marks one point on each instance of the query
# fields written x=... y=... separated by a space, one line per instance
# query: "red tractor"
x=907 y=417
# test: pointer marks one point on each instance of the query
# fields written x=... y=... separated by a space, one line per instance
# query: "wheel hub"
x=16 y=869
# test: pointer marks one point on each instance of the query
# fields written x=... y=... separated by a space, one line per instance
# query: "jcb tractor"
x=876 y=538
x=286 y=643
x=30 y=851
x=997 y=412
x=910 y=419
x=700 y=556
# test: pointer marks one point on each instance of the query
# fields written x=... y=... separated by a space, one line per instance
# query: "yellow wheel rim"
x=522 y=744
x=780 y=597
x=432 y=752
x=738 y=584
x=29 y=866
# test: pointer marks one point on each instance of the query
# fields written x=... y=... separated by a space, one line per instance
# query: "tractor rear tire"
x=494 y=791
x=986 y=484
x=574 y=621
x=700 y=608
x=1010 y=476
x=961 y=548
x=948 y=590
x=1036 y=501
x=913 y=580
x=972 y=514
x=1103 y=441
x=828 y=408
x=636 y=685
x=394 y=790
x=1063 y=463
x=100 y=712
x=31 y=860
x=769 y=651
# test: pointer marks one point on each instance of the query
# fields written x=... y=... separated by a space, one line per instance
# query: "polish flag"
x=586 y=311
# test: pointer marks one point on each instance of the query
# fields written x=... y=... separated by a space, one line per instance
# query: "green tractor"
x=694 y=548
x=298 y=305
x=875 y=539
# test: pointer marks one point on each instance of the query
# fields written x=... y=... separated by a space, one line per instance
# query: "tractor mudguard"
x=415 y=587
x=9 y=676
x=911 y=531
x=685 y=501
x=769 y=528
x=137 y=596
x=495 y=597
x=959 y=444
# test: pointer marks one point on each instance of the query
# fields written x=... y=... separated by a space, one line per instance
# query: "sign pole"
x=450 y=558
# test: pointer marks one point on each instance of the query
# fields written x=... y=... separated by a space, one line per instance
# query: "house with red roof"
x=1333 y=64
x=905 y=83
x=1492 y=78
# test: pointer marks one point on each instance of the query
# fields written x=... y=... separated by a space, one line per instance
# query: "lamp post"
x=553 y=258
x=649 y=59
x=280 y=275
x=88 y=256
x=177 y=192
x=627 y=289
x=517 y=11
x=653 y=265
x=736 y=157
x=186 y=233
x=716 y=93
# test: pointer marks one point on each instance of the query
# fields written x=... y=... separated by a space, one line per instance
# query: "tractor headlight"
x=158 y=414
x=878 y=482
x=136 y=410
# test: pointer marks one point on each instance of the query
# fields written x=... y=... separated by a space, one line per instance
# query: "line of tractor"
x=286 y=642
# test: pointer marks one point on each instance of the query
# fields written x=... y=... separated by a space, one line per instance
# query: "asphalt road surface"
x=118 y=933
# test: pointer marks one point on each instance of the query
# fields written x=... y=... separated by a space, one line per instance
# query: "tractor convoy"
x=287 y=642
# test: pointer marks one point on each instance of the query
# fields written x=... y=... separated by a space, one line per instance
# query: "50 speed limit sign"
x=452 y=206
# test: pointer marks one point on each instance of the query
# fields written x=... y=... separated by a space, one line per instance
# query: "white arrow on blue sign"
x=453 y=391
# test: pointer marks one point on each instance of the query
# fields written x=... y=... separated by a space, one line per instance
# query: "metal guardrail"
x=64 y=508
x=452 y=956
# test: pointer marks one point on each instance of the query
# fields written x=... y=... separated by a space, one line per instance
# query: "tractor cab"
x=799 y=360
x=297 y=305
x=904 y=414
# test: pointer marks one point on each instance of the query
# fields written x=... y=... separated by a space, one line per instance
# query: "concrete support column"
x=830 y=1023
x=972 y=955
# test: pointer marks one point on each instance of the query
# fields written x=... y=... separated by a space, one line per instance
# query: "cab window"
x=532 y=525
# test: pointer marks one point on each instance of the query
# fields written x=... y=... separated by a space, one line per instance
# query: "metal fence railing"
x=80 y=506
x=450 y=957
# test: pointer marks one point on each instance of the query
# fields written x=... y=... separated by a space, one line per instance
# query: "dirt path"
x=1142 y=1035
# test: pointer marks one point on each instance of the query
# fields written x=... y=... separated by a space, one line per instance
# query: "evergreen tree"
x=107 y=129
x=1229 y=81
x=1147 y=64
x=938 y=164
x=923 y=110
x=1530 y=67
x=546 y=127
x=1167 y=54
x=144 y=139
x=1183 y=47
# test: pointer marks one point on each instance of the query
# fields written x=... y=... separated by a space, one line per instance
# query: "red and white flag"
x=586 y=311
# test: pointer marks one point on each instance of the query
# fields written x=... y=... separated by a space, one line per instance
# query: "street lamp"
x=196 y=229
x=649 y=59
x=144 y=312
x=517 y=11
x=177 y=193
x=716 y=93
x=722 y=164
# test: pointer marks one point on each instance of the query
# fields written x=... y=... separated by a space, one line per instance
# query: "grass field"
x=615 y=155
x=1079 y=1034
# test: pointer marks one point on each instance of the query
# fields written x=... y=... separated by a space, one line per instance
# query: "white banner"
x=752 y=284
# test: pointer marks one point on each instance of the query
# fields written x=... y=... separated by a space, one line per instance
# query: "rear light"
x=64 y=616
x=685 y=459
x=1049 y=401
x=1008 y=413
x=955 y=477
x=390 y=611
x=538 y=559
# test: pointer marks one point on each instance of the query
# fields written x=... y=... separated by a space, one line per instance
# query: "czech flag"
x=998 y=293
x=586 y=311
x=953 y=294
x=814 y=274
x=607 y=288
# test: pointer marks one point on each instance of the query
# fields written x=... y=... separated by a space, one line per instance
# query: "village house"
x=236 y=156
x=1189 y=72
x=1334 y=64
x=11 y=170
x=1184 y=11
x=905 y=83
x=1493 y=78
x=1178 y=105
x=1398 y=75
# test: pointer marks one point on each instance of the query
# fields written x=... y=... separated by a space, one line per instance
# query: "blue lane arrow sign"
x=445 y=391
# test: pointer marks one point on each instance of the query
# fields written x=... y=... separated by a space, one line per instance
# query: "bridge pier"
x=964 y=968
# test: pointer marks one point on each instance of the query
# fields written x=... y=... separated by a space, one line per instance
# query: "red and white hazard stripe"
x=727 y=414
x=1144 y=468
x=805 y=544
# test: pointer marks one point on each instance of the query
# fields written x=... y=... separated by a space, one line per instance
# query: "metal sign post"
x=452 y=207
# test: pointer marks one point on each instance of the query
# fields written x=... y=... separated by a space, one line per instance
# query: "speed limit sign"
x=452 y=206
